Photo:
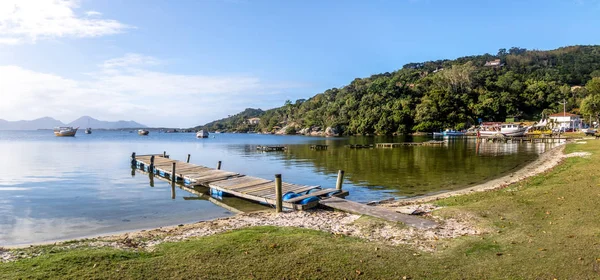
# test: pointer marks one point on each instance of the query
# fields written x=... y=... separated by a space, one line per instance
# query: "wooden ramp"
x=379 y=212
x=231 y=183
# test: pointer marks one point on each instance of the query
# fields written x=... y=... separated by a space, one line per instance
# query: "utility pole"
x=564 y=103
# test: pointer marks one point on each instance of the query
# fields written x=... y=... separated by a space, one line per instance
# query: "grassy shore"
x=545 y=227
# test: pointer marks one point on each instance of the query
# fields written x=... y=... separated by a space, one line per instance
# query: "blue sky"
x=184 y=63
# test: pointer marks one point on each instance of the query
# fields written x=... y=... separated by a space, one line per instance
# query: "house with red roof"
x=566 y=120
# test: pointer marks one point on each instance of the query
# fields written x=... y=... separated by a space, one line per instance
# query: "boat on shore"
x=202 y=134
x=143 y=132
x=65 y=131
x=502 y=130
x=88 y=130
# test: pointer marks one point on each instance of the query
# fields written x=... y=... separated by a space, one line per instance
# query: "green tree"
x=590 y=106
x=593 y=86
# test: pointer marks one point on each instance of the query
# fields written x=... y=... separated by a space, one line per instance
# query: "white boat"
x=502 y=130
x=202 y=134
x=88 y=130
x=65 y=131
x=143 y=132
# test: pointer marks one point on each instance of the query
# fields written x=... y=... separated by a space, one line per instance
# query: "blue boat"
x=449 y=132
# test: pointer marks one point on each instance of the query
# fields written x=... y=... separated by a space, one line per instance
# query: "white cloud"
x=128 y=91
x=10 y=41
x=30 y=20
x=93 y=13
x=129 y=60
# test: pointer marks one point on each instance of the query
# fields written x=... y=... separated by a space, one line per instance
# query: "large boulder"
x=304 y=131
x=331 y=131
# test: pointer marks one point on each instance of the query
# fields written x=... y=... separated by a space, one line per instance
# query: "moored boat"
x=449 y=132
x=502 y=130
x=202 y=134
x=88 y=130
x=65 y=131
x=143 y=132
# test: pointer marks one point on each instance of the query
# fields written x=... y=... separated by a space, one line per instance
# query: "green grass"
x=543 y=228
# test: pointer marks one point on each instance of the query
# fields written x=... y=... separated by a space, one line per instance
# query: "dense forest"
x=434 y=95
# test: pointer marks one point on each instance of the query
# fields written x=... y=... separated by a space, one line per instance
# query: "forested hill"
x=237 y=122
x=442 y=94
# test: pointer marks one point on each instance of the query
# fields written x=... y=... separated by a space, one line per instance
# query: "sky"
x=184 y=63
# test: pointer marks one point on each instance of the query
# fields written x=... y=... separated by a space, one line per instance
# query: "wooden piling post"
x=151 y=167
x=340 y=180
x=173 y=176
x=164 y=154
x=219 y=165
x=151 y=177
x=188 y=159
x=278 y=194
x=133 y=159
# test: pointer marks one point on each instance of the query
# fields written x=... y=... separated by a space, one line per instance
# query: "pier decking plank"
x=249 y=183
x=251 y=187
x=379 y=212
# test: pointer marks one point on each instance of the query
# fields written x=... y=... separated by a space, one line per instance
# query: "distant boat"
x=202 y=134
x=88 y=130
x=143 y=132
x=65 y=131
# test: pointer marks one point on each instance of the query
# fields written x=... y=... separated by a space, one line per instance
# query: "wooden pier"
x=318 y=147
x=359 y=146
x=271 y=148
x=271 y=192
x=394 y=145
x=522 y=139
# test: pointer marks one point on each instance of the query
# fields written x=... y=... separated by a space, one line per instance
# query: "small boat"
x=202 y=134
x=503 y=130
x=589 y=131
x=449 y=132
x=88 y=130
x=143 y=132
x=65 y=131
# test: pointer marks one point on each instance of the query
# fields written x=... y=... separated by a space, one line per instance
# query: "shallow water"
x=58 y=188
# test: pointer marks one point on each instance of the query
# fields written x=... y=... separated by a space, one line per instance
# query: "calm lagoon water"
x=54 y=188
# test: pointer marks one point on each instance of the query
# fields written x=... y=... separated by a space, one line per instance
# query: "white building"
x=566 y=120
x=254 y=121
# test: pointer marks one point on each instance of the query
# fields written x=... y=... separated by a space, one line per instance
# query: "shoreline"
x=337 y=223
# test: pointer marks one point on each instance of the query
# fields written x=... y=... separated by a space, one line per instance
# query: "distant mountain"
x=87 y=121
x=49 y=123
x=45 y=122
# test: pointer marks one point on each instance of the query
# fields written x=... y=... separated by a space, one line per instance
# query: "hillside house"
x=253 y=121
x=494 y=63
